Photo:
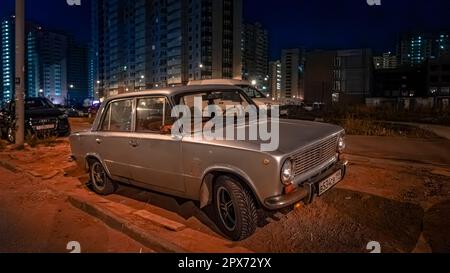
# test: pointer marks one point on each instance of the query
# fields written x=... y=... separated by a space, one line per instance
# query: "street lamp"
x=71 y=86
x=254 y=82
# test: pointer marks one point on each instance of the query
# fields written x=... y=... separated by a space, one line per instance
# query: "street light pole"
x=20 y=73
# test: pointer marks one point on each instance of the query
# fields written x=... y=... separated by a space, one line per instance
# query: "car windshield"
x=227 y=101
x=252 y=92
x=223 y=99
x=38 y=103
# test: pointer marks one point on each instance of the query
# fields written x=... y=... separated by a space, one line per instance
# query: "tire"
x=101 y=183
x=235 y=209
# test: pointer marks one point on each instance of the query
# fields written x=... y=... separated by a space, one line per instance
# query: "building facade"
x=146 y=44
x=342 y=76
x=77 y=73
x=385 y=61
x=292 y=72
x=7 y=60
x=439 y=81
x=255 y=59
x=275 y=79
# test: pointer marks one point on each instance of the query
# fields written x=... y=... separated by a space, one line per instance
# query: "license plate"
x=328 y=183
x=45 y=127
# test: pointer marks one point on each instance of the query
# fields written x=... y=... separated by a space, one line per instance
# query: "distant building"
x=7 y=60
x=319 y=76
x=292 y=69
x=342 y=76
x=439 y=81
x=418 y=47
x=255 y=58
x=385 y=61
x=150 y=44
x=275 y=79
x=404 y=81
x=46 y=63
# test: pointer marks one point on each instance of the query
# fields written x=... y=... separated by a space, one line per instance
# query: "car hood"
x=43 y=113
x=293 y=135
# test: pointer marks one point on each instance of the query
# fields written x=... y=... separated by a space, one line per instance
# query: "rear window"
x=38 y=104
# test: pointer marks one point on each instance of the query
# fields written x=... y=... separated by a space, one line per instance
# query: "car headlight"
x=287 y=173
x=341 y=143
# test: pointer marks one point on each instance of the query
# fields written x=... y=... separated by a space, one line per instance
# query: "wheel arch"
x=210 y=178
x=90 y=157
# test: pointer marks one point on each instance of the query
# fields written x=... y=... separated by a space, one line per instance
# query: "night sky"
x=336 y=24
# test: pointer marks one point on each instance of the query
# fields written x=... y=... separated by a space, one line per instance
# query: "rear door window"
x=118 y=117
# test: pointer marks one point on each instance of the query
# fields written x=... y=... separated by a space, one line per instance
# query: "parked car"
x=129 y=143
x=41 y=118
x=93 y=109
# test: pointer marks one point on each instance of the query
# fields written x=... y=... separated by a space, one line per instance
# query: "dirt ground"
x=397 y=192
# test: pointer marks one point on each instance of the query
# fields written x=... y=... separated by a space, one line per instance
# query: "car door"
x=156 y=159
x=113 y=139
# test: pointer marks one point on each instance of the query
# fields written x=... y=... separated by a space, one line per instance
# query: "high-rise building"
x=275 y=79
x=385 y=61
x=51 y=52
x=156 y=43
x=255 y=58
x=292 y=71
x=416 y=48
x=7 y=59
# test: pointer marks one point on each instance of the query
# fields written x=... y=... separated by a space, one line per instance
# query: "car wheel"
x=101 y=183
x=235 y=209
x=11 y=135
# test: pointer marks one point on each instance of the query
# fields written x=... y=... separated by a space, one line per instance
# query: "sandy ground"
x=397 y=192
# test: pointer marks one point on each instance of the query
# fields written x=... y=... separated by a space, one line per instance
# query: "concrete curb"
x=120 y=224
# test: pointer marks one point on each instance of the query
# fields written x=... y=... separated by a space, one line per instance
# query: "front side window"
x=118 y=117
x=153 y=115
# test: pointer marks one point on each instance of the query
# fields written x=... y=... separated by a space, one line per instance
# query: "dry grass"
x=370 y=127
x=365 y=127
x=45 y=140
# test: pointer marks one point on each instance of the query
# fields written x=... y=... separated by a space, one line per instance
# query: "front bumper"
x=307 y=191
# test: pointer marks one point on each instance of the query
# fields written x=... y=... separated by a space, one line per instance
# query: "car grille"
x=315 y=156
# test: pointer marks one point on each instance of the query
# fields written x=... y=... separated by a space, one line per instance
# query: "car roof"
x=174 y=91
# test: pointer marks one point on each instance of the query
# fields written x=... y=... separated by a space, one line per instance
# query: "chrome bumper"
x=307 y=191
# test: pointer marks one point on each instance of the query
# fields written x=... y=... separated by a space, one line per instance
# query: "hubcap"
x=226 y=209
x=98 y=176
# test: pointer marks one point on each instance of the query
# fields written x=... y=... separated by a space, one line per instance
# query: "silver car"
x=131 y=142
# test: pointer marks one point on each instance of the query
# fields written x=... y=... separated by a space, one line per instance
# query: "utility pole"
x=20 y=73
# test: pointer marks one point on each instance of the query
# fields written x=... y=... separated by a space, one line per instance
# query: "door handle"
x=133 y=143
x=98 y=140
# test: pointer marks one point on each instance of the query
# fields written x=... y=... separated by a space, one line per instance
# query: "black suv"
x=41 y=118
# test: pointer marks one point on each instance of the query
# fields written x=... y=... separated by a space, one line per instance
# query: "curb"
x=152 y=230
x=120 y=224
x=9 y=166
